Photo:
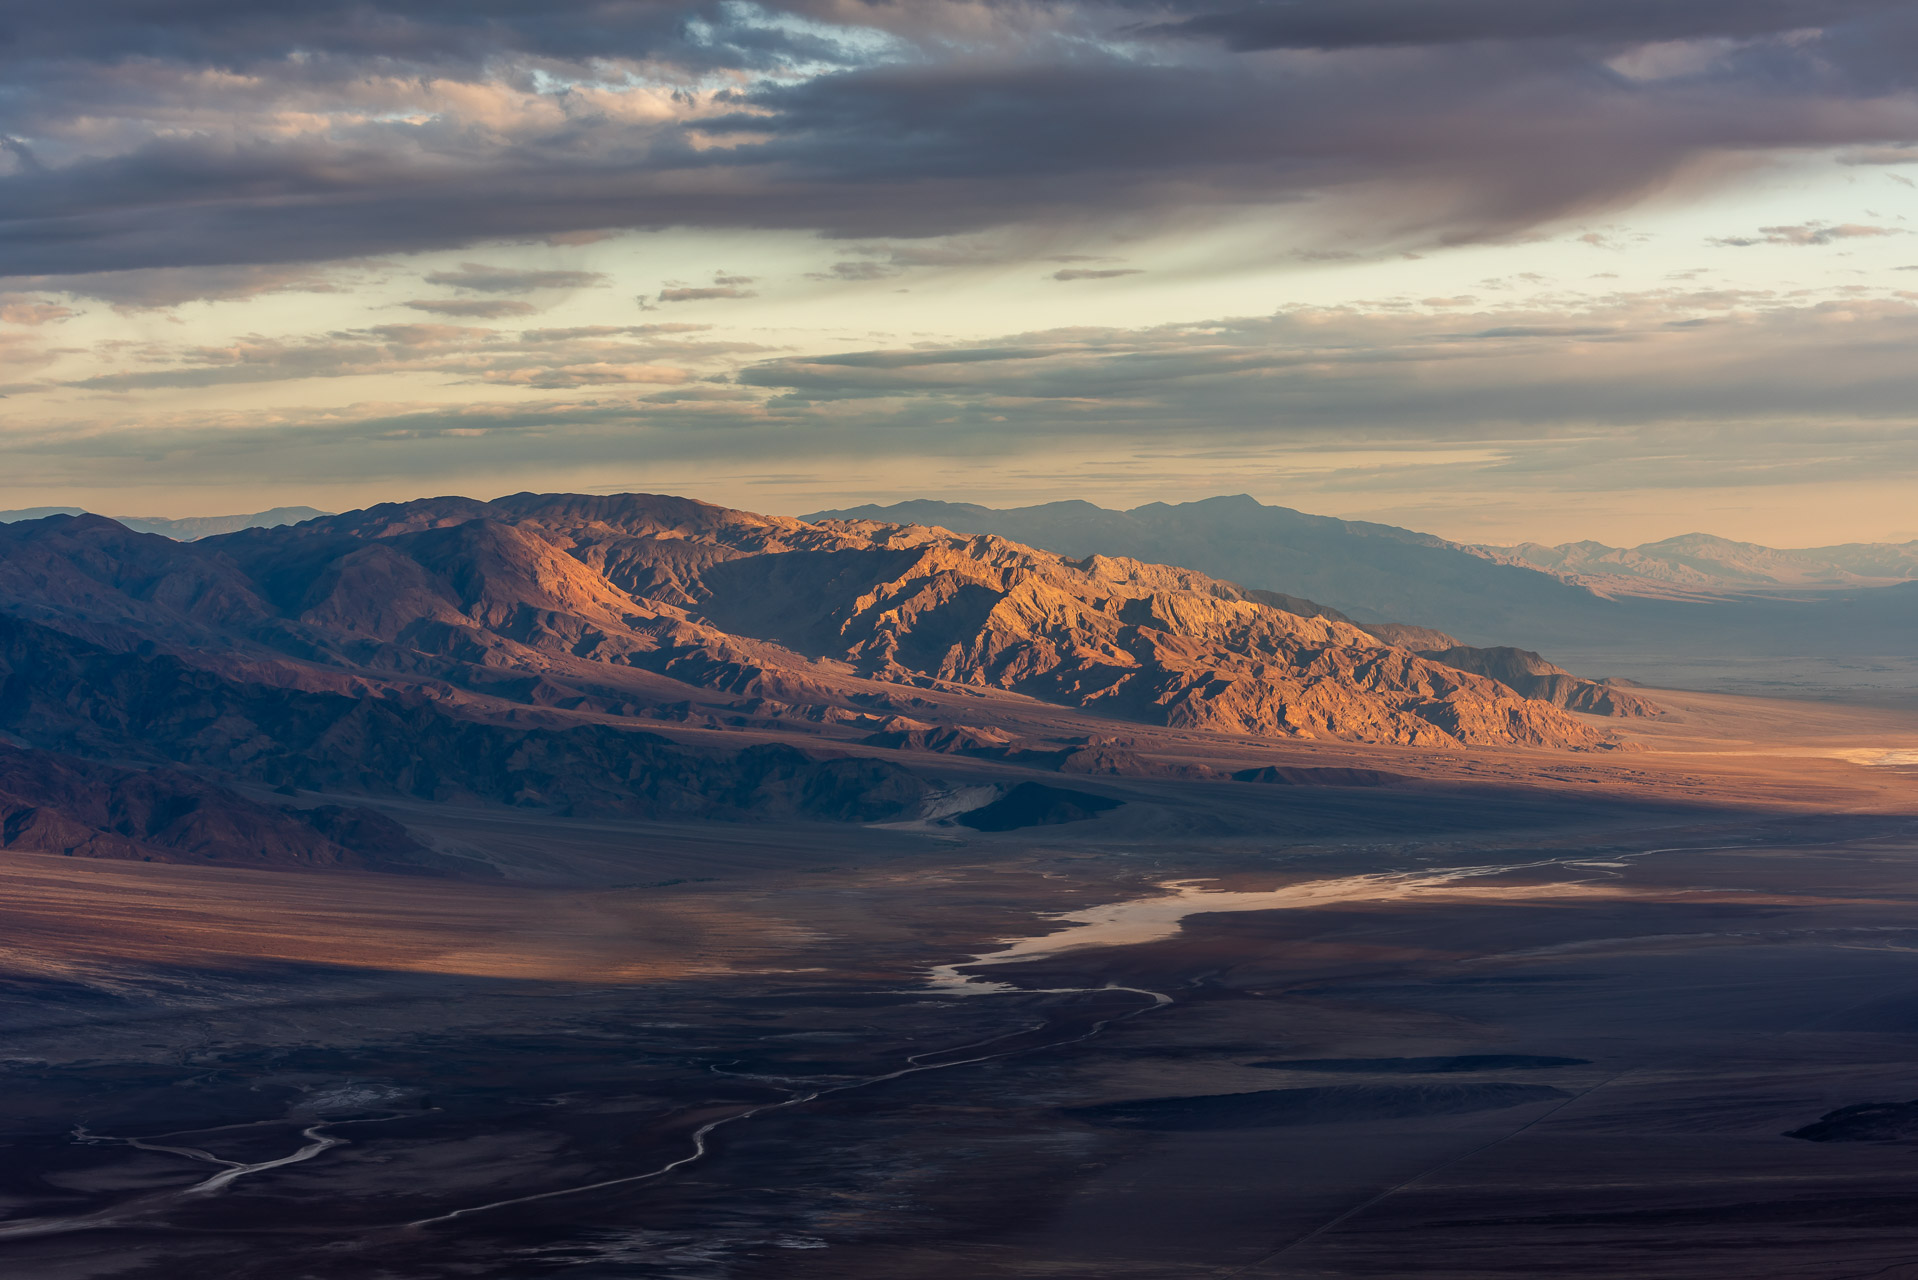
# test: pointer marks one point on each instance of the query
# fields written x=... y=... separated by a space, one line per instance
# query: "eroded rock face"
x=527 y=596
x=1529 y=674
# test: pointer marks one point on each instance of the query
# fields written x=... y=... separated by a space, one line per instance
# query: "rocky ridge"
x=571 y=601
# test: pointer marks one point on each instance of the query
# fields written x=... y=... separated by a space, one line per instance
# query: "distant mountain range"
x=1373 y=572
x=186 y=529
x=559 y=599
x=1700 y=563
x=662 y=658
x=1744 y=618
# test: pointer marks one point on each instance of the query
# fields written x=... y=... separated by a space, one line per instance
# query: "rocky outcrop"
x=1529 y=674
x=1407 y=636
x=1034 y=804
x=1320 y=776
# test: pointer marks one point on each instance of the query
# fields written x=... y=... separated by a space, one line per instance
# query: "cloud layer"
x=1638 y=391
x=208 y=134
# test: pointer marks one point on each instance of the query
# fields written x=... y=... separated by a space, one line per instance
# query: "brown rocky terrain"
x=1520 y=670
x=584 y=604
x=458 y=651
x=1529 y=674
x=1690 y=613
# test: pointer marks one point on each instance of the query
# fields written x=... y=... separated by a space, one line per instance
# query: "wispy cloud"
x=1636 y=392
x=22 y=308
x=472 y=308
x=723 y=286
x=482 y=278
x=584 y=356
x=1808 y=233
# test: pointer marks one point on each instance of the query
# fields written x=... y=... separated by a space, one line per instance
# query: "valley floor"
x=1536 y=1015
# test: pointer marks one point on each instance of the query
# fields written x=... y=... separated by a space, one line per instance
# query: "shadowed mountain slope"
x=58 y=804
x=63 y=693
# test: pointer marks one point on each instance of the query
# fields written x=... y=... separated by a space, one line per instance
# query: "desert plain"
x=1649 y=1012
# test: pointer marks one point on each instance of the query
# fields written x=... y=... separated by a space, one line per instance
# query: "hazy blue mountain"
x=1700 y=562
x=1822 y=641
x=187 y=529
x=1374 y=572
x=39 y=513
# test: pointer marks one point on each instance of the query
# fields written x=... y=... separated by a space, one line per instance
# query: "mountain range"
x=184 y=529
x=1376 y=572
x=653 y=657
x=1835 y=641
x=1701 y=563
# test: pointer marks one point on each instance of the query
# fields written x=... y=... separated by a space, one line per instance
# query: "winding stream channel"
x=231 y=1171
x=1112 y=924
x=1124 y=923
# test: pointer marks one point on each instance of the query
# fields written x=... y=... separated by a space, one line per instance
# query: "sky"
x=1499 y=270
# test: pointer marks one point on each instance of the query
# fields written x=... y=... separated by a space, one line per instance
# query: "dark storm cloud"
x=241 y=34
x=1349 y=24
x=220 y=133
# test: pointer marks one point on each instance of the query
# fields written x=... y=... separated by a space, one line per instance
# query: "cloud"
x=472 y=308
x=1807 y=233
x=594 y=374
x=1880 y=156
x=1327 y=372
x=1633 y=394
x=883 y=260
x=1087 y=273
x=21 y=308
x=1359 y=24
x=704 y=293
x=856 y=270
x=22 y=154
x=482 y=278
x=578 y=332
x=159 y=288
x=211 y=135
x=583 y=356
